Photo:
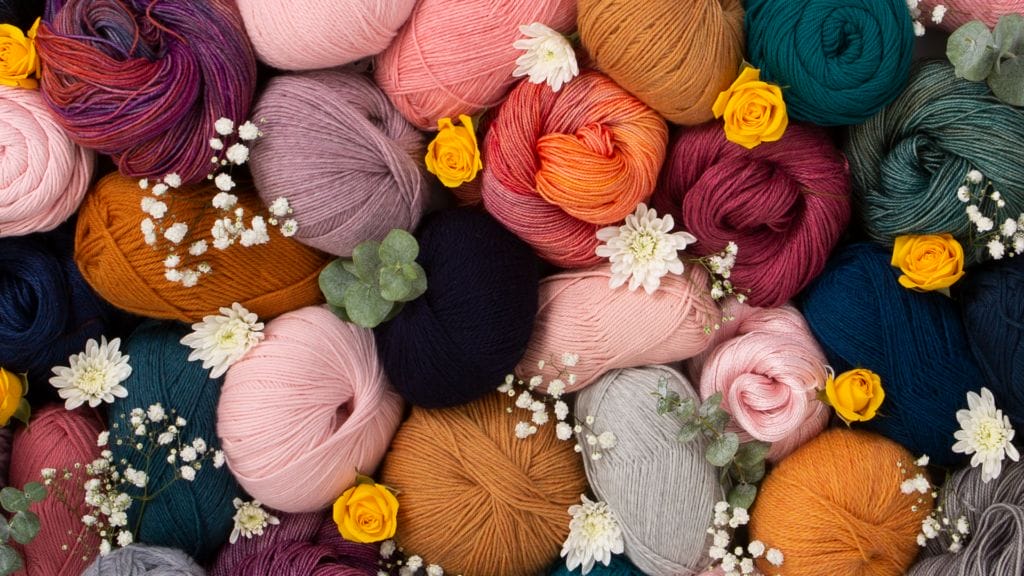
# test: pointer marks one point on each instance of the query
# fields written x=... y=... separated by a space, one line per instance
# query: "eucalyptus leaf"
x=688 y=431
x=399 y=247
x=366 y=261
x=687 y=409
x=971 y=50
x=35 y=491
x=750 y=453
x=10 y=561
x=710 y=405
x=394 y=286
x=751 y=473
x=13 y=500
x=668 y=402
x=418 y=276
x=722 y=449
x=718 y=419
x=334 y=280
x=742 y=496
x=1007 y=83
x=365 y=306
x=24 y=527
x=1008 y=35
x=339 y=312
x=5 y=530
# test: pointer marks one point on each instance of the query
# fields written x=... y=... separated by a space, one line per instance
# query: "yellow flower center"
x=643 y=245
x=989 y=435
x=594 y=526
x=251 y=519
x=93 y=381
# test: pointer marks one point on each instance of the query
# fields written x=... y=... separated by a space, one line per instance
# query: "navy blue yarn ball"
x=619 y=566
x=457 y=342
x=21 y=13
x=914 y=341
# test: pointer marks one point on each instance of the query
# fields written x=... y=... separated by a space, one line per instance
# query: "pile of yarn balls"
x=347 y=96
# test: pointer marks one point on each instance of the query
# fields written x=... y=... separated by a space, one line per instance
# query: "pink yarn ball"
x=960 y=12
x=768 y=367
x=306 y=408
x=456 y=57
x=43 y=174
x=312 y=34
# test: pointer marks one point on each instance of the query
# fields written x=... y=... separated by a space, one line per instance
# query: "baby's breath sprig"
x=394 y=561
x=736 y=561
x=719 y=268
x=937 y=522
x=937 y=14
x=985 y=209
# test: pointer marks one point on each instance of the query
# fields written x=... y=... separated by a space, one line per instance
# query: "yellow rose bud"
x=855 y=395
x=366 y=513
x=19 y=63
x=754 y=110
x=11 y=391
x=453 y=156
x=928 y=262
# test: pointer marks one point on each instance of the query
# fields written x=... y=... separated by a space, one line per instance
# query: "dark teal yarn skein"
x=837 y=61
x=196 y=516
x=619 y=566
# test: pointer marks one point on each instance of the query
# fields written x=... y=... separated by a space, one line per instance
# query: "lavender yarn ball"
x=142 y=560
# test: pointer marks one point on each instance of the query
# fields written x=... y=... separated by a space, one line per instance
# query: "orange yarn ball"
x=835 y=507
x=110 y=249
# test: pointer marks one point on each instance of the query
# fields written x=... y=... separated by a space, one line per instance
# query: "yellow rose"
x=366 y=513
x=19 y=63
x=929 y=262
x=754 y=110
x=453 y=156
x=11 y=391
x=855 y=395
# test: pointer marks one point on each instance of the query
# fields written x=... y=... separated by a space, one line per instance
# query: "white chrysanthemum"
x=220 y=340
x=643 y=249
x=986 y=433
x=594 y=535
x=94 y=375
x=250 y=519
x=549 y=56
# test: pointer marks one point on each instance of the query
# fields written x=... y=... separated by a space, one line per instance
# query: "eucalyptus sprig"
x=22 y=527
x=743 y=462
x=373 y=285
x=993 y=56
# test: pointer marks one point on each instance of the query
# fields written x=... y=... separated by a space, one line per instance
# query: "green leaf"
x=13 y=500
x=366 y=261
x=971 y=51
x=5 y=530
x=1008 y=35
x=722 y=449
x=1007 y=83
x=418 y=276
x=339 y=312
x=688 y=431
x=687 y=409
x=394 y=286
x=24 y=527
x=334 y=280
x=35 y=492
x=742 y=496
x=10 y=561
x=668 y=402
x=710 y=405
x=718 y=420
x=750 y=474
x=23 y=412
x=750 y=453
x=365 y=306
x=399 y=247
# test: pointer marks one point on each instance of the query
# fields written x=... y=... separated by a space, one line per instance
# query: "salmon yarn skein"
x=960 y=12
x=115 y=260
x=676 y=56
x=474 y=498
x=558 y=166
x=835 y=507
x=439 y=66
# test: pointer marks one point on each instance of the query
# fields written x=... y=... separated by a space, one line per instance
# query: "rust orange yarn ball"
x=110 y=250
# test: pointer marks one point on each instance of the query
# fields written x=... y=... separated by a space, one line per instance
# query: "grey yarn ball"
x=142 y=560
x=662 y=491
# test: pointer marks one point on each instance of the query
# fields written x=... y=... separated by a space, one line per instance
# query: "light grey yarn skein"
x=662 y=491
x=142 y=560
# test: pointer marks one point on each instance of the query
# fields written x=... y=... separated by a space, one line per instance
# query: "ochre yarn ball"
x=115 y=260
x=835 y=507
x=560 y=165
x=675 y=56
x=456 y=57
x=476 y=499
x=350 y=175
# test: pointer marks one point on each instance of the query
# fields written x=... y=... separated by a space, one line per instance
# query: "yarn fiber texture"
x=314 y=34
x=474 y=498
x=20 y=13
x=438 y=67
x=768 y=368
x=785 y=210
x=557 y=166
x=838 y=61
x=619 y=566
x=840 y=493
x=305 y=409
x=662 y=491
x=960 y=12
x=675 y=56
x=908 y=161
x=142 y=560
x=470 y=328
x=110 y=250
x=350 y=165
x=43 y=174
x=145 y=81
x=915 y=342
x=192 y=516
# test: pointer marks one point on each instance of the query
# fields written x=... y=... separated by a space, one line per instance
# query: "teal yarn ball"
x=619 y=566
x=195 y=517
x=908 y=161
x=838 y=61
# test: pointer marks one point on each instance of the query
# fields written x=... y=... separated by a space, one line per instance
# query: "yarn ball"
x=21 y=13
x=440 y=67
x=302 y=544
x=43 y=174
x=457 y=341
x=610 y=329
x=145 y=81
x=110 y=249
x=768 y=368
x=619 y=566
x=318 y=380
x=142 y=560
x=675 y=56
x=57 y=439
x=6 y=438
x=662 y=491
x=909 y=160
x=474 y=498
x=313 y=34
x=559 y=165
x=838 y=61
x=353 y=174
x=915 y=342
x=960 y=12
x=785 y=204
x=193 y=516
x=840 y=492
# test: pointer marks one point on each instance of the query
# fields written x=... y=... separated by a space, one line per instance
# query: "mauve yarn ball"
x=142 y=560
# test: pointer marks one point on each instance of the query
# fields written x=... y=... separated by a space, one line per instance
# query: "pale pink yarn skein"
x=960 y=12
x=43 y=174
x=306 y=408
x=456 y=57
x=313 y=34
x=578 y=313
x=768 y=367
